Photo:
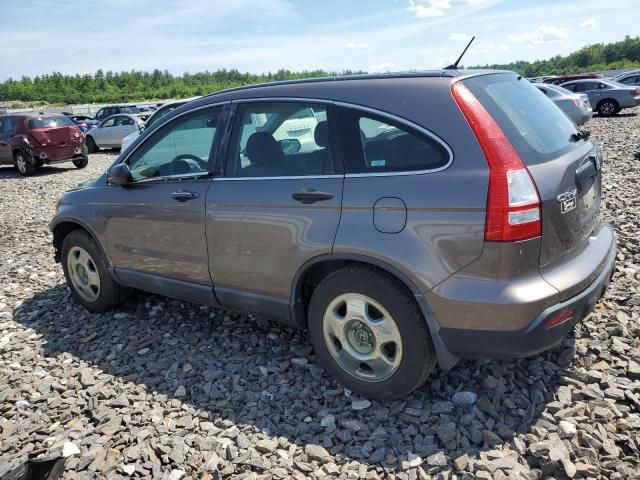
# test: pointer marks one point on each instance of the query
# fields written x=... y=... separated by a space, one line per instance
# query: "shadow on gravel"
x=11 y=172
x=235 y=370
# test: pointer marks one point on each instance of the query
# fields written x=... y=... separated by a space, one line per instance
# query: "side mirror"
x=290 y=145
x=119 y=175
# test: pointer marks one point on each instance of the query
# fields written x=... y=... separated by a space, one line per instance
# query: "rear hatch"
x=55 y=131
x=563 y=163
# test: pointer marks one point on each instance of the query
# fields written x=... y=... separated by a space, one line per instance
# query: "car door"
x=275 y=207
x=104 y=133
x=155 y=225
x=5 y=147
x=124 y=126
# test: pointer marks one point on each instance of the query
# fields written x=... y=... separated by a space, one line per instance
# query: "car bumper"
x=537 y=336
x=55 y=154
x=582 y=116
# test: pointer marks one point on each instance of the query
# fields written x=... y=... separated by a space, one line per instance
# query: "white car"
x=110 y=132
x=157 y=115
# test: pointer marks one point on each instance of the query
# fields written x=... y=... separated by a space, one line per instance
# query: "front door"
x=156 y=224
x=105 y=133
x=6 y=128
x=277 y=205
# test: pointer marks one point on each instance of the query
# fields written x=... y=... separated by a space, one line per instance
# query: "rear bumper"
x=534 y=338
x=56 y=153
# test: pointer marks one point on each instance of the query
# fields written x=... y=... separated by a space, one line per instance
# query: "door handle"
x=183 y=195
x=309 y=195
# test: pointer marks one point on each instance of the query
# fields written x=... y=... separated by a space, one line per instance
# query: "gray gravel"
x=168 y=390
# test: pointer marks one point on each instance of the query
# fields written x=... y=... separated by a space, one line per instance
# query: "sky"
x=41 y=36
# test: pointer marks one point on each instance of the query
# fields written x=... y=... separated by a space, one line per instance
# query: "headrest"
x=321 y=134
x=262 y=148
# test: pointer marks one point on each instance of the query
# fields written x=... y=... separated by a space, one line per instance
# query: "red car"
x=31 y=140
x=557 y=80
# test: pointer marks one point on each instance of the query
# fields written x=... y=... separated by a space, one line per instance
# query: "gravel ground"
x=167 y=390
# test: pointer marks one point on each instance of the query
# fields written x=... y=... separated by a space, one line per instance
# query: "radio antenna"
x=454 y=66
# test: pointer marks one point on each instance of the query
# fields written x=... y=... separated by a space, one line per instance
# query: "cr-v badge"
x=567 y=200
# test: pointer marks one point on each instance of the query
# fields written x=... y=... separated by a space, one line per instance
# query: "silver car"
x=606 y=97
x=631 y=78
x=110 y=132
x=576 y=106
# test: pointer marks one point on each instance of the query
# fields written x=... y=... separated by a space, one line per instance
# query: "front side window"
x=376 y=144
x=280 y=139
x=124 y=121
x=162 y=112
x=110 y=122
x=182 y=147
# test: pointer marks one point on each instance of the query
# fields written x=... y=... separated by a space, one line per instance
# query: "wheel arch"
x=315 y=269
x=63 y=227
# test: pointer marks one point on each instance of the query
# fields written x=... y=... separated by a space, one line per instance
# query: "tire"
x=25 y=164
x=92 y=146
x=608 y=108
x=386 y=302
x=81 y=163
x=98 y=300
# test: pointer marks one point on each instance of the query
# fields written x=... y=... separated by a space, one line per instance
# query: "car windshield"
x=49 y=122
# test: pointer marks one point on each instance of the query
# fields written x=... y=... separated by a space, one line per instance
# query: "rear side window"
x=377 y=144
x=50 y=122
x=536 y=128
x=8 y=125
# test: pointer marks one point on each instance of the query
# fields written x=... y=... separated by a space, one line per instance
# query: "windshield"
x=50 y=122
x=537 y=129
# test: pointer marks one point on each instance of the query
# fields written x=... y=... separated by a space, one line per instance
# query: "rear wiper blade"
x=581 y=134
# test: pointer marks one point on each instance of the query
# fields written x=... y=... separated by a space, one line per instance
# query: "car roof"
x=366 y=76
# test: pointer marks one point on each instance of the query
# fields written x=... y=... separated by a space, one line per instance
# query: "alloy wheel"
x=362 y=337
x=83 y=274
x=21 y=163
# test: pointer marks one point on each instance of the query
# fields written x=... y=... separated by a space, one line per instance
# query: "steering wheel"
x=183 y=163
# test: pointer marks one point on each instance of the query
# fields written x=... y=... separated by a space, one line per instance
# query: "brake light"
x=577 y=102
x=513 y=203
x=634 y=92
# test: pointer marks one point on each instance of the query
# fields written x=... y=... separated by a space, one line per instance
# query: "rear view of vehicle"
x=575 y=106
x=547 y=257
x=46 y=139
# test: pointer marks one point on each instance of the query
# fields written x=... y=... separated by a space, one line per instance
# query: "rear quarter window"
x=377 y=144
x=536 y=128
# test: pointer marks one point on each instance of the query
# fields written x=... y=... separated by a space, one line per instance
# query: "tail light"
x=634 y=92
x=559 y=318
x=513 y=203
x=577 y=102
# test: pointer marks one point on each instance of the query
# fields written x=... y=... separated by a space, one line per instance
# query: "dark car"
x=559 y=79
x=434 y=216
x=29 y=141
x=83 y=122
x=106 y=112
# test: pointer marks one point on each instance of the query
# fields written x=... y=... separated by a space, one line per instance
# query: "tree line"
x=136 y=86
x=592 y=58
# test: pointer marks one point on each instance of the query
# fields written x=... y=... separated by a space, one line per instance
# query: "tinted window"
x=8 y=125
x=162 y=112
x=632 y=80
x=570 y=86
x=129 y=110
x=280 y=140
x=536 y=128
x=50 y=122
x=123 y=121
x=182 y=147
x=375 y=144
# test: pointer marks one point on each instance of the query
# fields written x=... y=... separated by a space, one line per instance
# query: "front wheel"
x=85 y=270
x=369 y=334
x=81 y=162
x=92 y=146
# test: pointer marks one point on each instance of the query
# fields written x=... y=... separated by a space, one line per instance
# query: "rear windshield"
x=50 y=122
x=536 y=128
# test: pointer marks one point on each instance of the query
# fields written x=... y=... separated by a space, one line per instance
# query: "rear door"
x=565 y=167
x=277 y=206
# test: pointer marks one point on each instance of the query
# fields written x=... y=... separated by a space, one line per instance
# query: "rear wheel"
x=369 y=334
x=85 y=270
x=24 y=163
x=608 y=108
x=91 y=145
x=81 y=163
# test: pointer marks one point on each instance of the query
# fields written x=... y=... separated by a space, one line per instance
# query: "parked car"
x=575 y=106
x=441 y=215
x=628 y=78
x=560 y=79
x=106 y=112
x=29 y=141
x=110 y=132
x=155 y=116
x=606 y=97
x=83 y=122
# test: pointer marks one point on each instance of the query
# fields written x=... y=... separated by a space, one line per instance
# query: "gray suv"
x=428 y=217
